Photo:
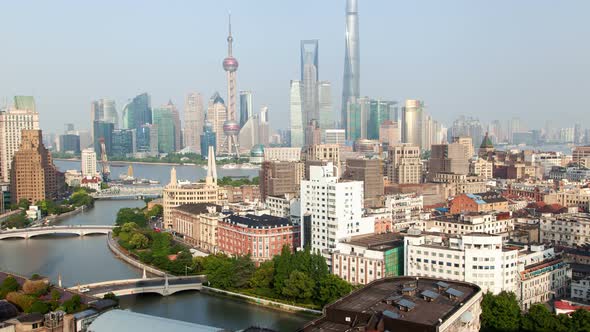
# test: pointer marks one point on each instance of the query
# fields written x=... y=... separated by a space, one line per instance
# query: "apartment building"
x=488 y=223
x=571 y=229
x=282 y=154
x=197 y=224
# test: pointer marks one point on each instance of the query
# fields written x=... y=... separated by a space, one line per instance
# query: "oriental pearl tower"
x=231 y=127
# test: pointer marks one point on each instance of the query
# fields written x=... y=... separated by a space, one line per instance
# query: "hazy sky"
x=489 y=59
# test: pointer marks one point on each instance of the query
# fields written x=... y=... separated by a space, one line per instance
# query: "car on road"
x=84 y=290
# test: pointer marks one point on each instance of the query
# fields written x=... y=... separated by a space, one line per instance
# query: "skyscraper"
x=33 y=174
x=137 y=112
x=231 y=127
x=12 y=121
x=263 y=126
x=216 y=115
x=194 y=118
x=296 y=113
x=163 y=118
x=351 y=80
x=103 y=110
x=379 y=111
x=177 y=125
x=309 y=78
x=412 y=122
x=357 y=113
x=208 y=138
x=102 y=129
x=245 y=107
x=325 y=105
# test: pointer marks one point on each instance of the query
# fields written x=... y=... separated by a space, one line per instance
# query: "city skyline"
x=490 y=71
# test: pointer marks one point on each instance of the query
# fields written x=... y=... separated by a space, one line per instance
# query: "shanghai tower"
x=350 y=83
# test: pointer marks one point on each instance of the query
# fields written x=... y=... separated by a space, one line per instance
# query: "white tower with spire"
x=211 y=178
x=231 y=127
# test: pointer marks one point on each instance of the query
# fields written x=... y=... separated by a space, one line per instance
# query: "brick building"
x=262 y=237
x=480 y=202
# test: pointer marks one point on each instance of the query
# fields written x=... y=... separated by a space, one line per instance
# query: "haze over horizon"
x=491 y=60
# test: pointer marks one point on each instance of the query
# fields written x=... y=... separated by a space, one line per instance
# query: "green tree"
x=539 y=318
x=24 y=204
x=299 y=286
x=580 y=321
x=156 y=211
x=126 y=215
x=129 y=227
x=331 y=288
x=500 y=313
x=283 y=268
x=139 y=241
x=8 y=285
x=219 y=270
x=72 y=305
x=40 y=307
x=243 y=271
x=263 y=276
x=55 y=295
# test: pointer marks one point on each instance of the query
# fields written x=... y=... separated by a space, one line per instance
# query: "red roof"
x=564 y=305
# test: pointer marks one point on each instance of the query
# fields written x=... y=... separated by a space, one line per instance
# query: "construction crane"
x=104 y=162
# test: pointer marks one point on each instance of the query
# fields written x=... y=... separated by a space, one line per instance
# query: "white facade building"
x=335 y=208
x=282 y=154
x=546 y=160
x=12 y=122
x=566 y=229
x=405 y=209
x=335 y=136
x=486 y=223
x=581 y=289
x=534 y=274
x=88 y=162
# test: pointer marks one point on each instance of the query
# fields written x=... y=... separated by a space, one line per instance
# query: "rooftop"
x=197 y=208
x=123 y=320
x=384 y=241
x=424 y=304
x=254 y=221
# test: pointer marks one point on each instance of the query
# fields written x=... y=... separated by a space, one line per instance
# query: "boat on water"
x=229 y=166
x=189 y=164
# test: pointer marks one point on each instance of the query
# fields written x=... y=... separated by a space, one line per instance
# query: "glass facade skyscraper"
x=208 y=139
x=102 y=129
x=137 y=112
x=295 y=110
x=356 y=118
x=245 y=107
x=351 y=79
x=413 y=122
x=123 y=142
x=325 y=100
x=309 y=80
x=379 y=111
x=164 y=121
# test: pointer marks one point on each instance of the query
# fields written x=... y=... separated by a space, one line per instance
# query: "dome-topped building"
x=257 y=154
x=7 y=310
x=486 y=146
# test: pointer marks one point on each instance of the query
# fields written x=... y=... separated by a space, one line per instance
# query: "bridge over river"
x=26 y=233
x=164 y=286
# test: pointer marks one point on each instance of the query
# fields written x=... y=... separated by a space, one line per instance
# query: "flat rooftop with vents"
x=404 y=304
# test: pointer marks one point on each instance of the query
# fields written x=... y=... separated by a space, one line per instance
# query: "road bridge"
x=164 y=286
x=81 y=230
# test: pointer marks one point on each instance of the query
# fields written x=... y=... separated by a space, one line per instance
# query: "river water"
x=87 y=259
x=162 y=172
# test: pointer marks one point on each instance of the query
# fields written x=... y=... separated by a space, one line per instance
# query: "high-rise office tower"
x=357 y=114
x=389 y=133
x=194 y=118
x=263 y=126
x=309 y=78
x=88 y=162
x=124 y=142
x=33 y=176
x=231 y=127
x=103 y=110
x=370 y=172
x=208 y=138
x=466 y=126
x=325 y=104
x=296 y=113
x=104 y=130
x=147 y=139
x=12 y=121
x=137 y=112
x=245 y=107
x=177 y=125
x=412 y=122
x=217 y=115
x=379 y=111
x=448 y=158
x=164 y=120
x=249 y=133
x=351 y=80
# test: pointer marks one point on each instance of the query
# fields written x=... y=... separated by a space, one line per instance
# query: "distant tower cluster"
x=231 y=128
